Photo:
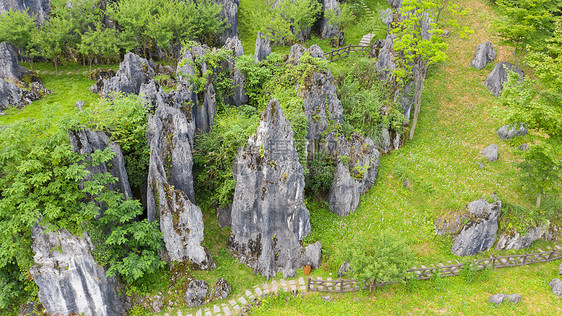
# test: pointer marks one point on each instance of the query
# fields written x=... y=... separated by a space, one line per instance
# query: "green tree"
x=381 y=258
x=527 y=22
x=51 y=40
x=420 y=44
x=17 y=28
x=99 y=41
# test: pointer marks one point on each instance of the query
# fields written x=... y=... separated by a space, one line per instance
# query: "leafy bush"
x=321 y=173
x=381 y=257
x=214 y=153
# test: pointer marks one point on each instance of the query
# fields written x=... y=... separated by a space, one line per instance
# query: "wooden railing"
x=348 y=50
x=425 y=273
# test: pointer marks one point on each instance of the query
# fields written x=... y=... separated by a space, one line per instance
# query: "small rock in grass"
x=407 y=184
x=79 y=105
x=523 y=147
x=556 y=286
x=481 y=165
x=327 y=298
x=514 y=298
x=344 y=269
x=491 y=152
x=496 y=299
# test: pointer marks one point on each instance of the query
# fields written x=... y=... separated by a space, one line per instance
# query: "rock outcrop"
x=239 y=96
x=508 y=131
x=230 y=13
x=328 y=30
x=496 y=79
x=10 y=70
x=69 y=280
x=18 y=86
x=479 y=234
x=133 y=72
x=263 y=48
x=203 y=103
x=344 y=270
x=491 y=152
x=354 y=178
x=85 y=141
x=39 y=8
x=170 y=195
x=517 y=241
x=269 y=218
x=485 y=54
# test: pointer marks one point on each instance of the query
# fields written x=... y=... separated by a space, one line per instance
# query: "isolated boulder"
x=133 y=72
x=203 y=104
x=500 y=298
x=238 y=77
x=40 y=9
x=86 y=142
x=485 y=54
x=263 y=48
x=229 y=12
x=479 y=234
x=496 y=79
x=196 y=293
x=344 y=270
x=170 y=195
x=313 y=254
x=510 y=131
x=269 y=218
x=556 y=286
x=328 y=30
x=70 y=281
x=491 y=152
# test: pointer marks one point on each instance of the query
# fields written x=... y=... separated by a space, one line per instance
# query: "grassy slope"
x=459 y=117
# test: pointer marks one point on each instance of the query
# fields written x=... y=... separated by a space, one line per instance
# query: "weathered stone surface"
x=85 y=141
x=500 y=298
x=196 y=293
x=344 y=270
x=485 y=54
x=151 y=93
x=14 y=90
x=508 y=132
x=556 y=286
x=313 y=253
x=10 y=70
x=351 y=181
x=238 y=77
x=170 y=194
x=491 y=152
x=316 y=52
x=328 y=30
x=385 y=146
x=269 y=218
x=450 y=224
x=396 y=141
x=10 y=95
x=224 y=216
x=133 y=72
x=79 y=104
x=220 y=290
x=344 y=194
x=263 y=48
x=560 y=269
x=230 y=13
x=203 y=104
x=517 y=241
x=40 y=8
x=479 y=234
x=523 y=147
x=387 y=16
x=396 y=4
x=496 y=79
x=386 y=59
x=69 y=280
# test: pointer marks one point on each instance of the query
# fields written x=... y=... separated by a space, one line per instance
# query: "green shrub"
x=381 y=257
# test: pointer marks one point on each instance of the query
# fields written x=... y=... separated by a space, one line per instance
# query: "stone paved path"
x=234 y=305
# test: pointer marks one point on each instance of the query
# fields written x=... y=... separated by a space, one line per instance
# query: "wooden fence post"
x=493 y=262
x=525 y=259
x=341 y=286
x=308 y=286
x=551 y=253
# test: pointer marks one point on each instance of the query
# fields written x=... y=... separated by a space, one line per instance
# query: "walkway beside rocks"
x=235 y=306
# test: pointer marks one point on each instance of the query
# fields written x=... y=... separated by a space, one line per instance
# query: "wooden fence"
x=358 y=50
x=425 y=273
